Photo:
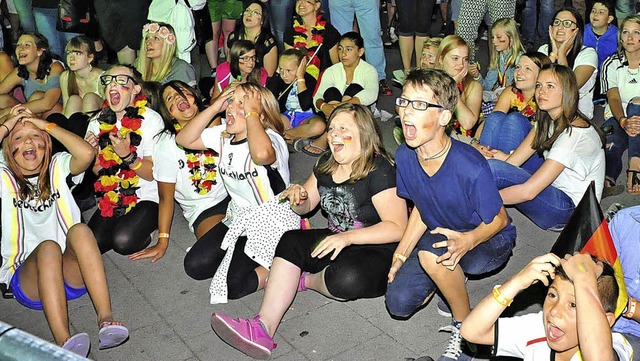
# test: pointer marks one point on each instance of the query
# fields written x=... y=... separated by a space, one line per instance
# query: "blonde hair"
x=371 y=144
x=432 y=42
x=628 y=19
x=515 y=44
x=25 y=191
x=168 y=52
x=270 y=107
x=448 y=44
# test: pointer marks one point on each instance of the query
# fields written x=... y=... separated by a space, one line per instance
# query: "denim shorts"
x=70 y=292
x=412 y=285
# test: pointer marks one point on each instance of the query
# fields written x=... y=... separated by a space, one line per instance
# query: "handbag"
x=74 y=16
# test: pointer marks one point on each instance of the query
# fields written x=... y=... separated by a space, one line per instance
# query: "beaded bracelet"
x=500 y=298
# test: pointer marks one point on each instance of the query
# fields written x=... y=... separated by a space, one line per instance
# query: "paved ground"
x=168 y=313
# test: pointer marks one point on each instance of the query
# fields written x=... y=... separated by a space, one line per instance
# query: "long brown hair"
x=370 y=143
x=25 y=191
x=549 y=129
x=79 y=43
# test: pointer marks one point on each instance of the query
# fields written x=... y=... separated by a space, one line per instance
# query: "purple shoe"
x=78 y=344
x=301 y=283
x=246 y=335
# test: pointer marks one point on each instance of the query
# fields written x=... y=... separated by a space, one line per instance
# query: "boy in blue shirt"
x=459 y=224
x=601 y=35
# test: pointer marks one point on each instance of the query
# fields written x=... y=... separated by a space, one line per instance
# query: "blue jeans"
x=618 y=141
x=281 y=18
x=412 y=285
x=549 y=210
x=342 y=12
x=46 y=23
x=27 y=22
x=530 y=20
x=624 y=8
x=505 y=132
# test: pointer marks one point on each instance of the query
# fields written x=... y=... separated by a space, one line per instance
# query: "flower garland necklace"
x=202 y=167
x=302 y=41
x=526 y=108
x=117 y=183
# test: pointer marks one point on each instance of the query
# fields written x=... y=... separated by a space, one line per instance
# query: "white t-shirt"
x=586 y=56
x=172 y=165
x=248 y=184
x=151 y=125
x=524 y=337
x=364 y=74
x=25 y=224
x=616 y=74
x=580 y=151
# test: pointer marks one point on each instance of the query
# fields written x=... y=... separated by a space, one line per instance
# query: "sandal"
x=611 y=188
x=635 y=181
x=112 y=334
x=79 y=344
x=315 y=148
x=300 y=143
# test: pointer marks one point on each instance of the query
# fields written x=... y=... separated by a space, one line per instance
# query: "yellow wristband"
x=49 y=127
x=163 y=235
x=500 y=298
x=252 y=113
x=137 y=166
x=401 y=257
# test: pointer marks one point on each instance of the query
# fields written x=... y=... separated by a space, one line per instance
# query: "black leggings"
x=126 y=234
x=205 y=257
x=359 y=271
x=333 y=94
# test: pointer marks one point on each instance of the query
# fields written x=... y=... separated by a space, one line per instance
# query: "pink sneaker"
x=246 y=335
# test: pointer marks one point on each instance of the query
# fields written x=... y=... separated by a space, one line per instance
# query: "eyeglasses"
x=121 y=79
x=246 y=59
x=252 y=12
x=416 y=104
x=566 y=23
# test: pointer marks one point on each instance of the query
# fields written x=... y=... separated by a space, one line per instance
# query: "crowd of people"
x=473 y=145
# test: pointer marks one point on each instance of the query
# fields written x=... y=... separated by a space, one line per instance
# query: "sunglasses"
x=416 y=104
x=566 y=23
x=121 y=79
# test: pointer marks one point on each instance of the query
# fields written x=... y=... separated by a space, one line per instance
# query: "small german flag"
x=587 y=232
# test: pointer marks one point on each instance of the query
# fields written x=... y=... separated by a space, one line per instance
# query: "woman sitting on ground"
x=565 y=47
x=124 y=134
x=622 y=86
x=254 y=168
x=157 y=59
x=39 y=76
x=189 y=177
x=515 y=112
x=255 y=28
x=314 y=36
x=48 y=255
x=80 y=84
x=352 y=80
x=240 y=68
x=572 y=149
x=453 y=58
x=355 y=185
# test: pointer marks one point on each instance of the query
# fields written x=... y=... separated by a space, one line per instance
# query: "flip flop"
x=312 y=154
x=300 y=143
x=79 y=344
x=635 y=180
x=112 y=335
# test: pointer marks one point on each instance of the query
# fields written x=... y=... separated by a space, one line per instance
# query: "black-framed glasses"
x=566 y=23
x=416 y=104
x=247 y=58
x=121 y=79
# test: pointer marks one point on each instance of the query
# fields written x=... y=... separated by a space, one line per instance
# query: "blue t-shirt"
x=459 y=196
